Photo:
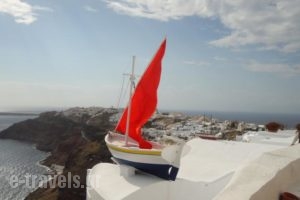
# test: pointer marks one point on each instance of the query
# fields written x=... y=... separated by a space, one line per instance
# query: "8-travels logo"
x=46 y=181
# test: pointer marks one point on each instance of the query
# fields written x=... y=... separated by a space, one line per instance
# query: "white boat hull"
x=147 y=160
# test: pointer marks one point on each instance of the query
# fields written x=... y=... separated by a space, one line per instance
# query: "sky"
x=222 y=55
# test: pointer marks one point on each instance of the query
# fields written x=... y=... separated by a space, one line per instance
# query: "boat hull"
x=164 y=171
x=145 y=160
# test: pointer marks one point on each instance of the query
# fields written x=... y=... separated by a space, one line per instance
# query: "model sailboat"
x=126 y=143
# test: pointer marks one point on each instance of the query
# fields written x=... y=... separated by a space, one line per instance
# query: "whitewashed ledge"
x=266 y=177
x=210 y=170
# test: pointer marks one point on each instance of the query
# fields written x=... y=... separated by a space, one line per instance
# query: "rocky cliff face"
x=75 y=139
x=47 y=131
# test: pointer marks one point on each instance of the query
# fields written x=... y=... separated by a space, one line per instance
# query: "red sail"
x=144 y=100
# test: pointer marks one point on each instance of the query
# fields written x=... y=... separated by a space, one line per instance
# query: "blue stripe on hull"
x=167 y=172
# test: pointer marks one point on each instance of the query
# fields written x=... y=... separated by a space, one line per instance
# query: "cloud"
x=196 y=63
x=217 y=58
x=284 y=69
x=90 y=9
x=42 y=8
x=272 y=24
x=159 y=10
x=22 y=12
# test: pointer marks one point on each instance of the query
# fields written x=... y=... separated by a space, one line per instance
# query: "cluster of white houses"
x=184 y=127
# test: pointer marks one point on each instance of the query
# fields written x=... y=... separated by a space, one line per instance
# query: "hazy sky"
x=221 y=55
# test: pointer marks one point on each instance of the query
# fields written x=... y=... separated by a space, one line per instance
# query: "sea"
x=19 y=164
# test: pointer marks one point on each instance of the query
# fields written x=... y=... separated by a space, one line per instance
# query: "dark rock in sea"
x=74 y=137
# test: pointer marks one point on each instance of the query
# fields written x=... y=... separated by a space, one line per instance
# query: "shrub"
x=298 y=127
x=274 y=126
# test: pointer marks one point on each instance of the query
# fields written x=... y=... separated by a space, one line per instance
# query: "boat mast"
x=132 y=79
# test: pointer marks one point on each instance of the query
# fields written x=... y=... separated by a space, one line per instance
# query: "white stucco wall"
x=205 y=170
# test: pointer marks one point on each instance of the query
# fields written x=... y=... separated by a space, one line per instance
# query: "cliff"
x=75 y=139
